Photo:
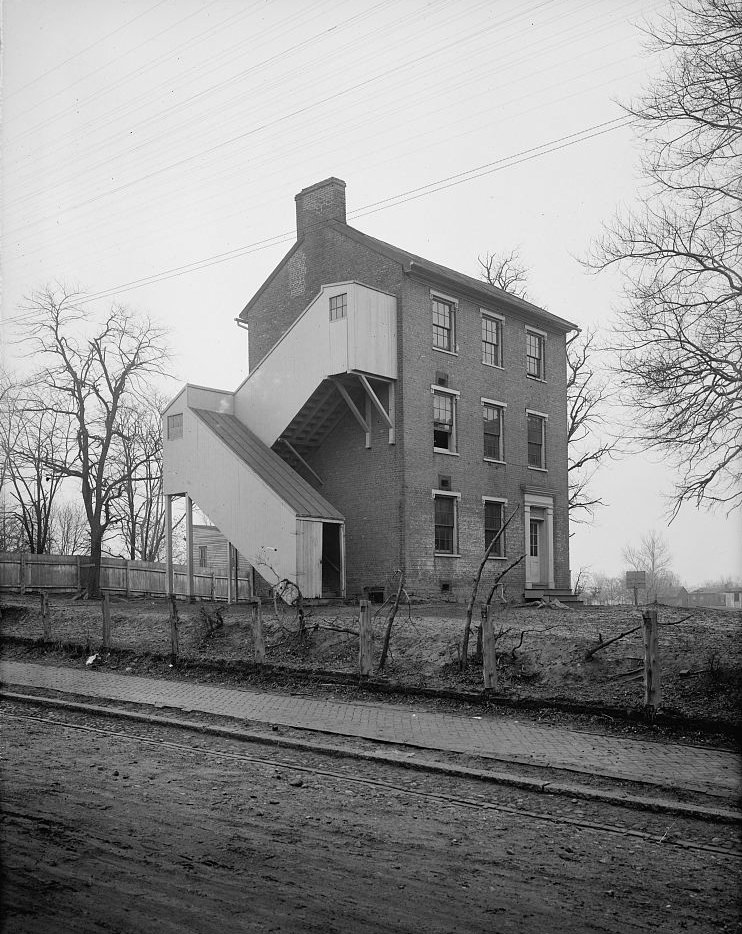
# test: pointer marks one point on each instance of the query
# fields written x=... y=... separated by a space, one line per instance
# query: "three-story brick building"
x=399 y=410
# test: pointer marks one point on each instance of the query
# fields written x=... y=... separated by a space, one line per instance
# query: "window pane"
x=444 y=523
x=443 y=421
x=491 y=341
x=535 y=441
x=534 y=355
x=338 y=306
x=443 y=321
x=492 y=431
x=492 y=525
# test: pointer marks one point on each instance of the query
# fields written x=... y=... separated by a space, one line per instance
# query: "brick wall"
x=385 y=492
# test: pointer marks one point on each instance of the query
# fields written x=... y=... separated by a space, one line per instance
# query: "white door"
x=534 y=550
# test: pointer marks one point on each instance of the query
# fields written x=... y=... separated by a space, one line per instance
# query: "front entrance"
x=539 y=542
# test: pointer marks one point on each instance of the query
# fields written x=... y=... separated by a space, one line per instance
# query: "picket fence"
x=24 y=573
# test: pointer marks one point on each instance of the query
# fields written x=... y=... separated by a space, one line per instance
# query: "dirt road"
x=162 y=830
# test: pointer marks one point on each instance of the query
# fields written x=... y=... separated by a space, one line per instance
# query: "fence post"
x=78 y=563
x=174 y=646
x=489 y=655
x=106 y=604
x=22 y=574
x=213 y=586
x=126 y=577
x=46 y=624
x=257 y=632
x=652 y=688
x=365 y=641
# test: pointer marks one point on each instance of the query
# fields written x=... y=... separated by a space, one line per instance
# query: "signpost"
x=636 y=580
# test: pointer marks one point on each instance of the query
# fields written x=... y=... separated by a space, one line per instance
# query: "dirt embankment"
x=542 y=652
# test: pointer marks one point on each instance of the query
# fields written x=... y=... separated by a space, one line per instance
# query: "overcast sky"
x=152 y=151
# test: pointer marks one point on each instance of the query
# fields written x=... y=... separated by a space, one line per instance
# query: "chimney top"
x=320 y=202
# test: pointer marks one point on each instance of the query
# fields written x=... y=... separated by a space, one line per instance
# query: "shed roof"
x=272 y=470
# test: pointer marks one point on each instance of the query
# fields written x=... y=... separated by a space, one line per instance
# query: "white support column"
x=550 y=539
x=230 y=573
x=168 y=544
x=527 y=524
x=189 y=547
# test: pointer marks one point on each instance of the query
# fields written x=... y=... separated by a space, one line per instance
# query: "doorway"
x=539 y=540
x=332 y=560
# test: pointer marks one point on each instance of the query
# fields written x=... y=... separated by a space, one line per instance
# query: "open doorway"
x=332 y=560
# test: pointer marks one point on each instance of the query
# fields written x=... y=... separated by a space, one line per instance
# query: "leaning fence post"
x=652 y=688
x=365 y=641
x=489 y=655
x=22 y=574
x=174 y=646
x=257 y=632
x=46 y=623
x=106 y=604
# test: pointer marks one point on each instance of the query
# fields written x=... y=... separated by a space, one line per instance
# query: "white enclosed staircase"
x=240 y=455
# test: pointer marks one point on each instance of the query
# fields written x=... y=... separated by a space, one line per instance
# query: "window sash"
x=443 y=324
x=175 y=426
x=536 y=441
x=493 y=520
x=491 y=341
x=338 y=306
x=492 y=431
x=445 y=524
x=534 y=355
x=443 y=421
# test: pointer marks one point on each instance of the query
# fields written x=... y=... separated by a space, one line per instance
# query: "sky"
x=152 y=150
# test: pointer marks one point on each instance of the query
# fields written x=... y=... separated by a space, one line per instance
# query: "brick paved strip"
x=708 y=771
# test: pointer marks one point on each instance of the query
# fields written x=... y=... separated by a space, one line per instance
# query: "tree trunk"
x=93 y=576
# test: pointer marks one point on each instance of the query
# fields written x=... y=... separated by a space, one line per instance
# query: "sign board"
x=636 y=579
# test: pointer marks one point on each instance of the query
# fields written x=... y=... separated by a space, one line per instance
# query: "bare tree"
x=505 y=271
x=141 y=507
x=587 y=396
x=69 y=529
x=30 y=431
x=91 y=373
x=652 y=555
x=679 y=335
x=587 y=391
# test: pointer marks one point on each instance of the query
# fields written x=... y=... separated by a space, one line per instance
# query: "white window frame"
x=502 y=406
x=175 y=426
x=344 y=309
x=454 y=311
x=500 y=322
x=503 y=542
x=454 y=395
x=542 y=335
x=448 y=494
x=544 y=419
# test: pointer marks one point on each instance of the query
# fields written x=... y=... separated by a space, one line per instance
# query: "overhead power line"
x=413 y=194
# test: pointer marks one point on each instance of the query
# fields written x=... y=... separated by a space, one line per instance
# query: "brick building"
x=397 y=409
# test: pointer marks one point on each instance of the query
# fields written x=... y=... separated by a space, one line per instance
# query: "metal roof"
x=272 y=470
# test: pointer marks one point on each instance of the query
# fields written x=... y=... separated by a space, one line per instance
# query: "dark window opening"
x=445 y=524
x=493 y=521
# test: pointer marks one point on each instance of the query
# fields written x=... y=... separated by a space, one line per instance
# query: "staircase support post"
x=189 y=547
x=168 y=544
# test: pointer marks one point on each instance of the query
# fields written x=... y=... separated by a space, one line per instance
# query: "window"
x=445 y=524
x=202 y=556
x=493 y=446
x=491 y=340
x=493 y=521
x=174 y=426
x=444 y=420
x=536 y=434
x=533 y=537
x=535 y=362
x=338 y=306
x=444 y=325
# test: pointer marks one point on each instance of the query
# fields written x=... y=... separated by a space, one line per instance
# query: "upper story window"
x=444 y=324
x=203 y=559
x=535 y=354
x=493 y=413
x=536 y=440
x=491 y=340
x=174 y=426
x=338 y=306
x=444 y=420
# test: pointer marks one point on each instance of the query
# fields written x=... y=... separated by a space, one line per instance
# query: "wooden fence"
x=22 y=573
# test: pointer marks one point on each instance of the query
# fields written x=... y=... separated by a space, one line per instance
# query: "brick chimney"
x=321 y=202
